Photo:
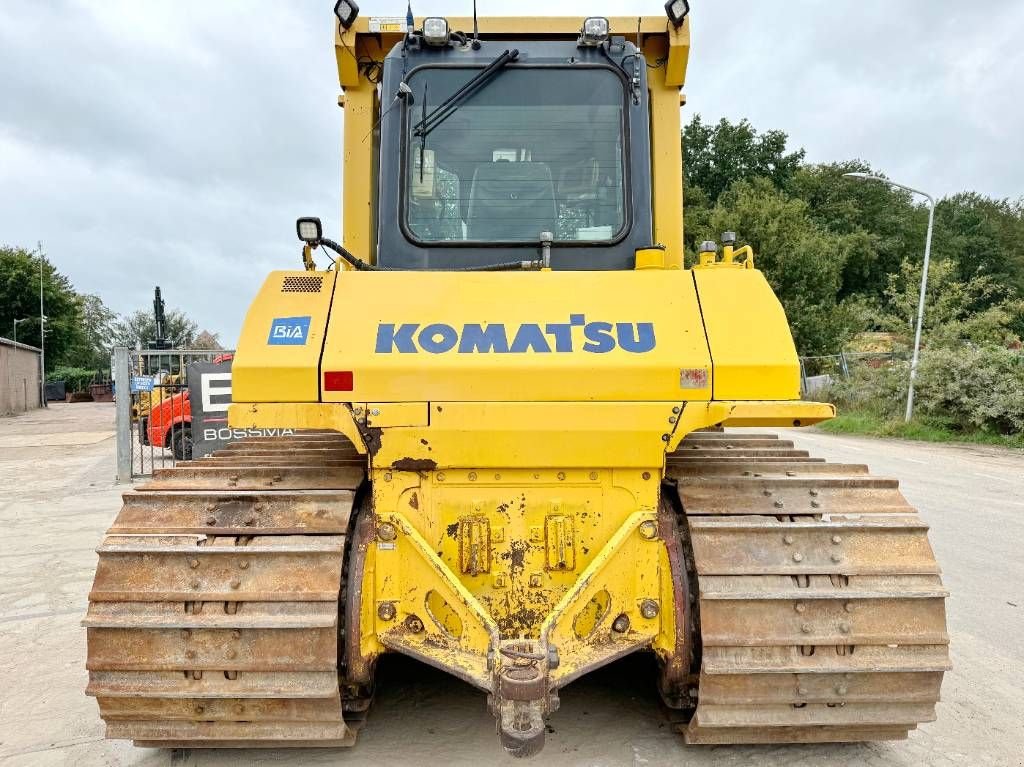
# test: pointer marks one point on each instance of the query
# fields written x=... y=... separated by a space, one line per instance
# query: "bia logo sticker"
x=496 y=338
x=289 y=331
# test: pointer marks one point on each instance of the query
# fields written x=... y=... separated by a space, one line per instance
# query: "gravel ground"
x=57 y=498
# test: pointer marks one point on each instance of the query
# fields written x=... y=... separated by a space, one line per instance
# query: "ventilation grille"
x=305 y=284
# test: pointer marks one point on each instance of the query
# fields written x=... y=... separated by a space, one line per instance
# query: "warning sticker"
x=387 y=24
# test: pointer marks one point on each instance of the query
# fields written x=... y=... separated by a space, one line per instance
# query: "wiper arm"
x=423 y=136
x=446 y=108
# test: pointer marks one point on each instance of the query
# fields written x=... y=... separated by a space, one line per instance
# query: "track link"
x=213 y=619
x=822 y=613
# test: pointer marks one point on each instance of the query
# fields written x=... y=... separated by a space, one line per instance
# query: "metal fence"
x=816 y=373
x=153 y=412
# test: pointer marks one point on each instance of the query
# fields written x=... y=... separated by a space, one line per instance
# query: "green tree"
x=802 y=261
x=138 y=329
x=19 y=299
x=95 y=340
x=979 y=310
x=717 y=156
x=886 y=227
x=984 y=236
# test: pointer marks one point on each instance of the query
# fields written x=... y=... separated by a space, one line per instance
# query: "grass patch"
x=921 y=429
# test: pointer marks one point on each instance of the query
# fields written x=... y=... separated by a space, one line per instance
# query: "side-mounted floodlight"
x=435 y=31
x=676 y=11
x=594 y=32
x=309 y=230
x=346 y=11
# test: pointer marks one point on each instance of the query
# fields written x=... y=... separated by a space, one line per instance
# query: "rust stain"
x=516 y=556
x=414 y=464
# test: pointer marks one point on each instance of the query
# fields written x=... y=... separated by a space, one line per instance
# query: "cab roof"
x=374 y=36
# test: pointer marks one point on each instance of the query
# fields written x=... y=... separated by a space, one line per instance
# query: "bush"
x=975 y=387
x=876 y=390
x=965 y=388
x=75 y=379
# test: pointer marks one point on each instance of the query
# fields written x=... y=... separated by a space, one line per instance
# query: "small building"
x=19 y=376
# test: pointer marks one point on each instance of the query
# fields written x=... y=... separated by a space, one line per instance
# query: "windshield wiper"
x=447 y=108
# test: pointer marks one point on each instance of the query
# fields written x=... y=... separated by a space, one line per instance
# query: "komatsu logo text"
x=497 y=338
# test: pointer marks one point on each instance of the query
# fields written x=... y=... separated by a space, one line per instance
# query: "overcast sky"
x=175 y=142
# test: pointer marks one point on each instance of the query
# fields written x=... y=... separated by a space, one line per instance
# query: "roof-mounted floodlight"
x=346 y=11
x=676 y=11
x=435 y=31
x=594 y=32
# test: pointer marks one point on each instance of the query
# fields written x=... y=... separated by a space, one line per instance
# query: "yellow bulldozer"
x=511 y=462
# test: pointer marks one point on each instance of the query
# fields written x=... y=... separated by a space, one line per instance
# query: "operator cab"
x=487 y=147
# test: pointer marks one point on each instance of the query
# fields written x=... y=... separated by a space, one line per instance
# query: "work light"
x=595 y=31
x=309 y=230
x=346 y=11
x=677 y=10
x=435 y=31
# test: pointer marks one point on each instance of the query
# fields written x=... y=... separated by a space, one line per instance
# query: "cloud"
x=175 y=143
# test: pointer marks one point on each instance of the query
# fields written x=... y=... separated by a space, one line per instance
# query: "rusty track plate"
x=235 y=513
x=872 y=544
x=700 y=734
x=696 y=451
x=180 y=568
x=211 y=615
x=222 y=709
x=247 y=684
x=781 y=689
x=774 y=469
x=816 y=495
x=241 y=734
x=771 y=469
x=831 y=658
x=860 y=714
x=215 y=650
x=214 y=477
x=730 y=436
x=755 y=622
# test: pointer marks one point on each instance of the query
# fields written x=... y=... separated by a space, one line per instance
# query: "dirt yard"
x=57 y=495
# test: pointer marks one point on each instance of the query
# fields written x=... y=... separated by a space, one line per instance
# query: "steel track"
x=213 y=619
x=822 y=613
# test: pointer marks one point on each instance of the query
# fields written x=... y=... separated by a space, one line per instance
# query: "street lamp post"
x=16 y=323
x=42 y=334
x=924 y=278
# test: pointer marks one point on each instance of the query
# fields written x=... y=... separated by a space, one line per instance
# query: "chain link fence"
x=818 y=373
x=154 y=420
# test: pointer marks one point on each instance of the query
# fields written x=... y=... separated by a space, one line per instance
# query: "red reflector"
x=338 y=380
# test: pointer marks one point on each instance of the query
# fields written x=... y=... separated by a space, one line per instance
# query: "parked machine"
x=512 y=464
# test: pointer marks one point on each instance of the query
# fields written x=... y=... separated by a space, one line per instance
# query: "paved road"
x=56 y=499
